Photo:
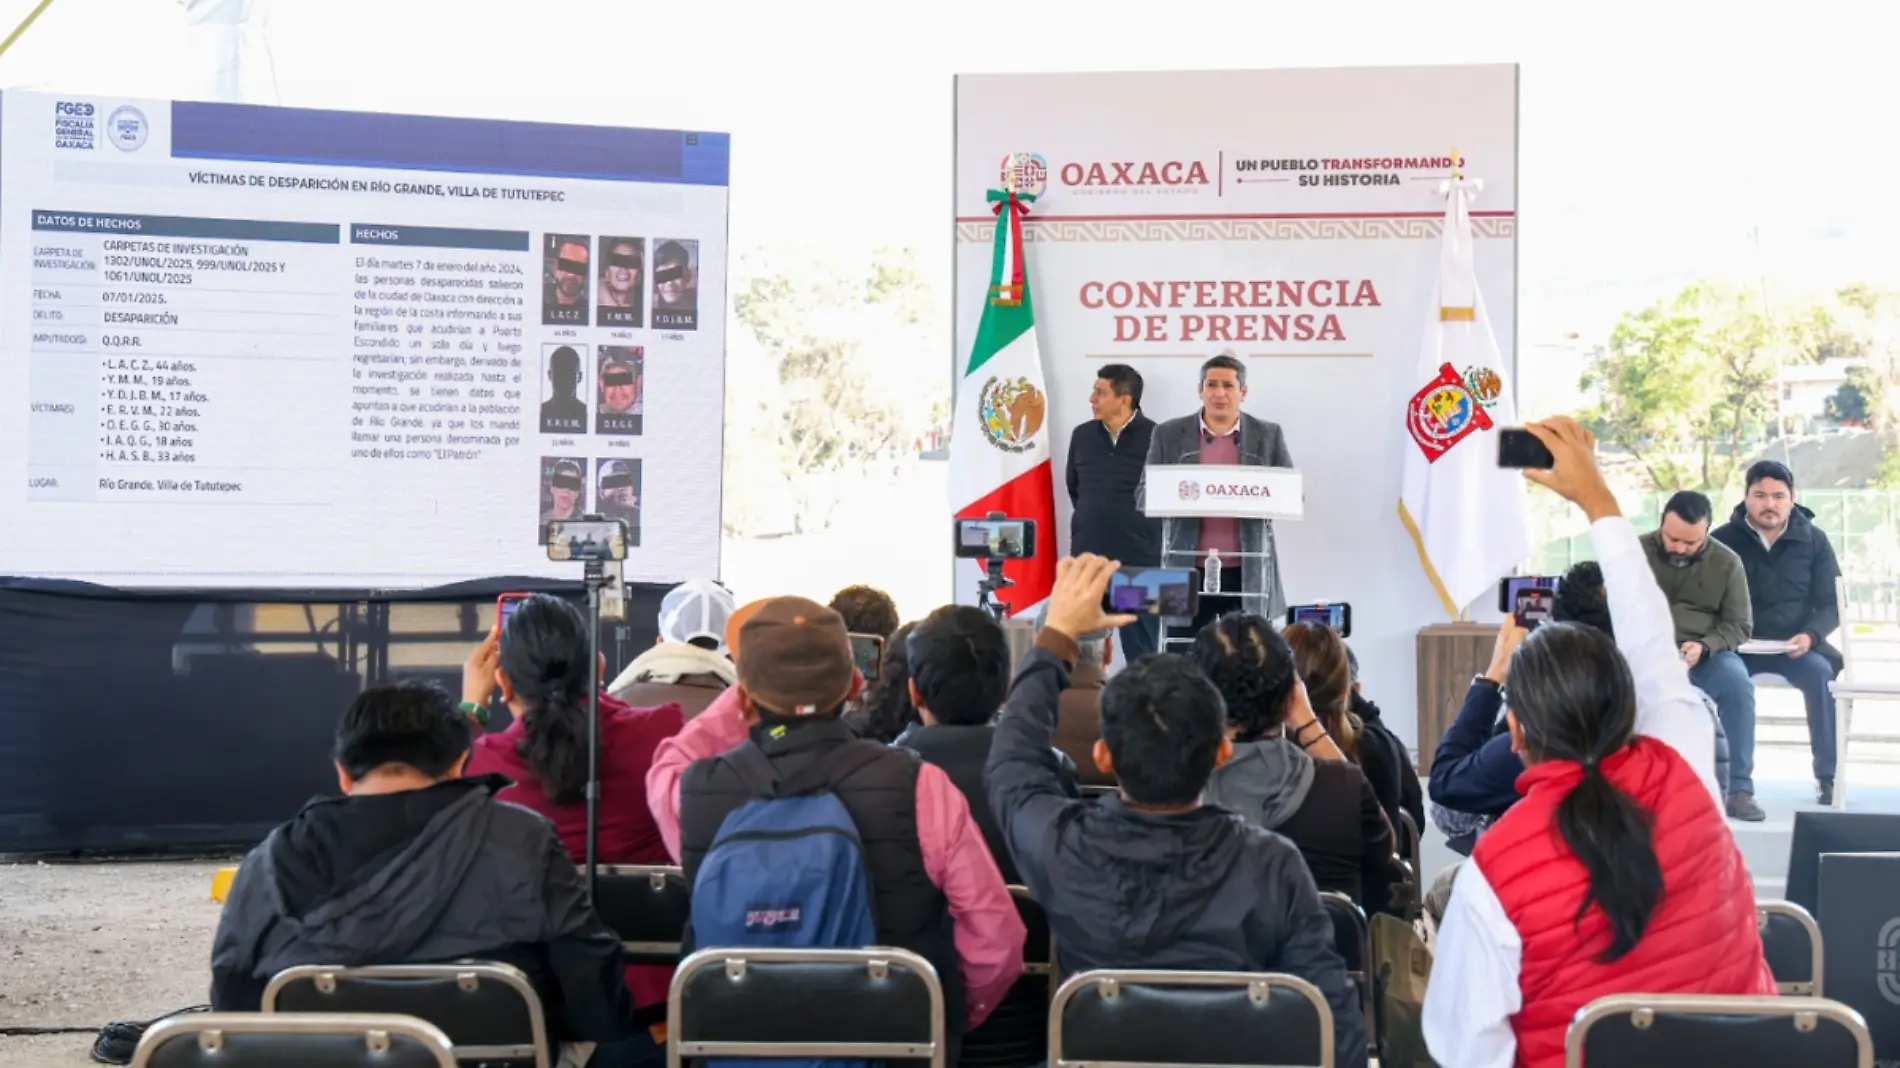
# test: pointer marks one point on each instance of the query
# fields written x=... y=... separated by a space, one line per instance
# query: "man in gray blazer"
x=1220 y=433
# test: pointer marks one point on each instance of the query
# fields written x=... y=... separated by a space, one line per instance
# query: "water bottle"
x=1210 y=572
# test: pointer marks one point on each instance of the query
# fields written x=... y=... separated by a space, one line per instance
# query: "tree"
x=837 y=384
x=1648 y=382
x=1687 y=385
x=1859 y=399
x=1873 y=318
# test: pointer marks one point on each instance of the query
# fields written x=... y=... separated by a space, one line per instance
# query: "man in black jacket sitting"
x=1149 y=878
x=415 y=865
x=1791 y=570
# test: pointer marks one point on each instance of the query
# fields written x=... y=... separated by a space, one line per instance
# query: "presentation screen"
x=271 y=347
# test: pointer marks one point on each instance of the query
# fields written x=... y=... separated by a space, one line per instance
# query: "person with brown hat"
x=935 y=888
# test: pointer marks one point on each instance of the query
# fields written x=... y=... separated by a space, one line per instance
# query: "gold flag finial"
x=1457 y=165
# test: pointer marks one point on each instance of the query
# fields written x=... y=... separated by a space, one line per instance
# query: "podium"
x=1218 y=491
x=1224 y=491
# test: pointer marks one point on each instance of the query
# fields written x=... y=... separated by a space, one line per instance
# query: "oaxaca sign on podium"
x=1222 y=491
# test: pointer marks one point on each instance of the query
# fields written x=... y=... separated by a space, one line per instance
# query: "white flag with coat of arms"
x=1468 y=516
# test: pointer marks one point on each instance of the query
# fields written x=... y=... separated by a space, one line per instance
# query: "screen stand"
x=595 y=578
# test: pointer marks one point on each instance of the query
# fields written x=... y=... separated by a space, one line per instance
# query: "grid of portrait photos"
x=565 y=483
x=612 y=382
x=606 y=281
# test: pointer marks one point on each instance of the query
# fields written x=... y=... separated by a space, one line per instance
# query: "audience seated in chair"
x=1393 y=775
x=934 y=886
x=416 y=864
x=1325 y=807
x=866 y=610
x=1149 y=878
x=1707 y=590
x=959 y=671
x=539 y=663
x=884 y=710
x=1476 y=768
x=689 y=667
x=1642 y=887
x=1791 y=571
x=1079 y=718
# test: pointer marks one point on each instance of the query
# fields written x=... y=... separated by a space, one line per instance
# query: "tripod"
x=993 y=582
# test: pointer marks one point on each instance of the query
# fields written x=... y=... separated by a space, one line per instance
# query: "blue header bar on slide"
x=95 y=222
x=438 y=237
x=468 y=146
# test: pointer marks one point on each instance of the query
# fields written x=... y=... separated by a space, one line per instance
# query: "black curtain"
x=135 y=720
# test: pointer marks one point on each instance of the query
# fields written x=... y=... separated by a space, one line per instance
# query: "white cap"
x=696 y=608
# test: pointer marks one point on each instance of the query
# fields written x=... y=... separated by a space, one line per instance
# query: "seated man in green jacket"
x=1708 y=596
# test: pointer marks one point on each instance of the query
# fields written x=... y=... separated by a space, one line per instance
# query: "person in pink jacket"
x=936 y=890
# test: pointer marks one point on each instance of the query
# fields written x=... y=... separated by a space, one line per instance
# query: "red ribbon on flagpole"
x=1010 y=291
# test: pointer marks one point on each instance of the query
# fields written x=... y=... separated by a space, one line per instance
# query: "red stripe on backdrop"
x=1030 y=495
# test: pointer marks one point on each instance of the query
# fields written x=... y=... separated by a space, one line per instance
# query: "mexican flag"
x=999 y=441
x=1468 y=516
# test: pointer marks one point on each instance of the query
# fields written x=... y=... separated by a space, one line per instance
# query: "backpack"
x=787 y=870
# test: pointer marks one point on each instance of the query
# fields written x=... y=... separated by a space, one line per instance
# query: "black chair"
x=1669 y=1031
x=1016 y=1034
x=489 y=1011
x=1039 y=942
x=292 y=1040
x=1791 y=941
x=648 y=906
x=1410 y=841
x=1352 y=939
x=1108 y=1018
x=858 y=1004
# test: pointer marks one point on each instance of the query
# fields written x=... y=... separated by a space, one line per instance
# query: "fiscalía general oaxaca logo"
x=73 y=125
x=1012 y=411
x=1025 y=173
x=1444 y=413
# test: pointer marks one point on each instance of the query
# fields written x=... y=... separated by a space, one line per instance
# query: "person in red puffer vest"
x=1617 y=872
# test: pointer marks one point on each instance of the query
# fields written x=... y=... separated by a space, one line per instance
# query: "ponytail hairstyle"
x=1253 y=669
x=544 y=655
x=1319 y=655
x=1574 y=700
x=886 y=702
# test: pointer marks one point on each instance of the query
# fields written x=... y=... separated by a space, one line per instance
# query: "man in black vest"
x=959 y=672
x=934 y=888
x=1106 y=458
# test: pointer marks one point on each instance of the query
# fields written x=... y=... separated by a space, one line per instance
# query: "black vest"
x=881 y=796
x=962 y=753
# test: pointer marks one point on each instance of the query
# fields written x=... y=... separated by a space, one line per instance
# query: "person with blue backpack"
x=793 y=832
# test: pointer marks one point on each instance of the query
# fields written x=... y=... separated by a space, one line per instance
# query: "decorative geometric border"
x=1358 y=229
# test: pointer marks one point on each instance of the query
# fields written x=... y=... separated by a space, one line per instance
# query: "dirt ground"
x=82 y=945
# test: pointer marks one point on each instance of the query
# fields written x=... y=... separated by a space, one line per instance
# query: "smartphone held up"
x=1519 y=448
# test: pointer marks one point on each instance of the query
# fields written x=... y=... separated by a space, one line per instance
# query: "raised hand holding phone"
x=1075 y=605
x=478 y=672
x=1573 y=473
